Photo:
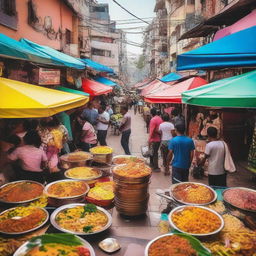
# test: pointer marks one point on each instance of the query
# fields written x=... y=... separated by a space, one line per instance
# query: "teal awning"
x=10 y=48
x=233 y=92
x=97 y=66
x=171 y=77
x=55 y=55
x=105 y=81
x=65 y=89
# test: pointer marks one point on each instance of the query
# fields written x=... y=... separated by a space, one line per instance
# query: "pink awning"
x=144 y=82
x=244 y=23
x=95 y=88
x=173 y=93
x=153 y=87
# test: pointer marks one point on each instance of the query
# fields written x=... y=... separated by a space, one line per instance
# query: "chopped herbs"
x=87 y=229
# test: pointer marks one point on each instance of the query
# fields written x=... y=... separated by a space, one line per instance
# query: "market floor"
x=146 y=227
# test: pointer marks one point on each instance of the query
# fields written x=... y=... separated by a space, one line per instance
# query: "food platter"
x=26 y=248
x=13 y=225
x=59 y=219
x=83 y=173
x=248 y=196
x=202 y=218
x=124 y=159
x=75 y=159
x=196 y=193
x=147 y=249
x=21 y=188
x=66 y=184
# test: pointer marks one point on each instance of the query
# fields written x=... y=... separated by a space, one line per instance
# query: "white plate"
x=24 y=248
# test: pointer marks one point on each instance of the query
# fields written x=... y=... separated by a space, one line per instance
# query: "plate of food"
x=241 y=198
x=83 y=173
x=66 y=189
x=22 y=191
x=81 y=219
x=192 y=193
x=196 y=220
x=132 y=170
x=77 y=156
x=125 y=159
x=56 y=245
x=175 y=245
x=23 y=219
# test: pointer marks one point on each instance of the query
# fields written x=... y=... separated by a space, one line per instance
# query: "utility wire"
x=129 y=12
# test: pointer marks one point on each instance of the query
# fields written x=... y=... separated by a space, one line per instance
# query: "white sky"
x=141 y=8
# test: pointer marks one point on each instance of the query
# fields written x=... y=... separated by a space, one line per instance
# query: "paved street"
x=132 y=227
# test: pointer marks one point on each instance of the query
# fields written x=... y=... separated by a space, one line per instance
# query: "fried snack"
x=196 y=220
x=232 y=224
x=128 y=159
x=101 y=150
x=218 y=207
x=133 y=170
x=171 y=245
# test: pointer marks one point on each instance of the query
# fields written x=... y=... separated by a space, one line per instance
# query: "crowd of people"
x=31 y=148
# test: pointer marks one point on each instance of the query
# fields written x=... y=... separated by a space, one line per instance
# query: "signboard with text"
x=49 y=76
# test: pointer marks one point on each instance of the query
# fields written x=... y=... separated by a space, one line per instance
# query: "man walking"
x=182 y=147
x=154 y=138
x=125 y=128
x=215 y=153
x=102 y=125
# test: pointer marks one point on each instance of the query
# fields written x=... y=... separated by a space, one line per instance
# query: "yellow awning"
x=22 y=100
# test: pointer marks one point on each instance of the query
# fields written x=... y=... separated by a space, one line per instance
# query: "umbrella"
x=233 y=92
x=22 y=100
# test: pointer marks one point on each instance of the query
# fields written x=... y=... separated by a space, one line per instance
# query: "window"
x=100 y=52
x=68 y=36
x=8 y=14
x=99 y=9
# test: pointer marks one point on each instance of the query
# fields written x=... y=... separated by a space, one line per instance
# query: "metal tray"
x=202 y=207
x=155 y=239
x=197 y=183
x=24 y=248
x=127 y=156
x=242 y=188
x=70 y=197
x=26 y=201
x=89 y=179
x=27 y=231
x=55 y=224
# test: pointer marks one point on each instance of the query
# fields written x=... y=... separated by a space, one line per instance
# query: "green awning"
x=233 y=92
x=65 y=89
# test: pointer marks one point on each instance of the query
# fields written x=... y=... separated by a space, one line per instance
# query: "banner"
x=49 y=76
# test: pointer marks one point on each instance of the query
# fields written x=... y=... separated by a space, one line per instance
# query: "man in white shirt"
x=102 y=125
x=215 y=153
x=167 y=131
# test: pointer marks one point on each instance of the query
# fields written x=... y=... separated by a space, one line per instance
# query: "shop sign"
x=49 y=76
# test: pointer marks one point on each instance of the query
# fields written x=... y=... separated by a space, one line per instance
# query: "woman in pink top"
x=32 y=159
x=88 y=136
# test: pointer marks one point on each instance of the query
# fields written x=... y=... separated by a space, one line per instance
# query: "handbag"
x=229 y=165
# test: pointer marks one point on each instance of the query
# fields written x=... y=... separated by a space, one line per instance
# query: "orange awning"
x=95 y=88
x=173 y=93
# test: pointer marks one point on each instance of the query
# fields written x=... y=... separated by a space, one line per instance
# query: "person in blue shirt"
x=181 y=149
x=90 y=114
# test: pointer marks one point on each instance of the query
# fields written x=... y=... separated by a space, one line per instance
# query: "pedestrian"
x=135 y=105
x=177 y=117
x=182 y=148
x=32 y=159
x=90 y=114
x=215 y=153
x=88 y=136
x=102 y=125
x=154 y=138
x=167 y=132
x=125 y=128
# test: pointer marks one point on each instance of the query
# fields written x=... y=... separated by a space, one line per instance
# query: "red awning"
x=173 y=93
x=144 y=82
x=95 y=88
x=153 y=87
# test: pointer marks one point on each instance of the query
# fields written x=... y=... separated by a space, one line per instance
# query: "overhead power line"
x=129 y=12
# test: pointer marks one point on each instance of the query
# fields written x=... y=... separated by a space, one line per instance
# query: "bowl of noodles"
x=22 y=191
x=175 y=245
x=192 y=193
x=81 y=219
